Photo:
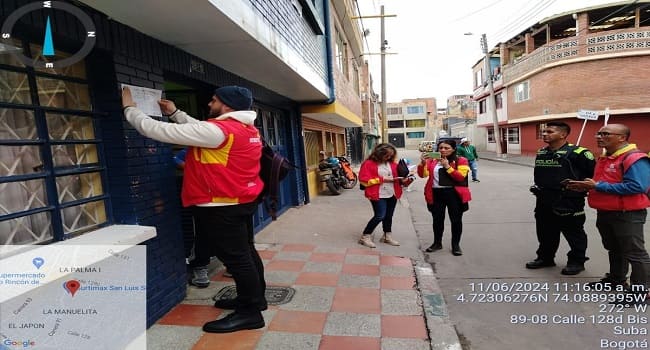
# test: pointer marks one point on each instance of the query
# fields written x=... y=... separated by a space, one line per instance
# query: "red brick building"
x=596 y=58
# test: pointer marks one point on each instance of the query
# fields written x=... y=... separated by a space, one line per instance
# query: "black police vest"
x=551 y=167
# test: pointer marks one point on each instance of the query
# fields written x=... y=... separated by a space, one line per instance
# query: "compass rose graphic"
x=48 y=42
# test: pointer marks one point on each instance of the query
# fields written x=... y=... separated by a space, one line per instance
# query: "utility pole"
x=384 y=117
x=492 y=100
x=383 y=53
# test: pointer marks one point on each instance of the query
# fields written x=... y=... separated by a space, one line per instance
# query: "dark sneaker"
x=200 y=277
x=235 y=322
x=476 y=180
x=539 y=263
x=434 y=247
x=456 y=251
x=573 y=269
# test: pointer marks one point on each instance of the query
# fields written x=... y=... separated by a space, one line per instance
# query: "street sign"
x=587 y=115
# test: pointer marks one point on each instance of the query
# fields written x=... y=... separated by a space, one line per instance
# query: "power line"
x=521 y=12
x=363 y=30
x=512 y=26
x=475 y=12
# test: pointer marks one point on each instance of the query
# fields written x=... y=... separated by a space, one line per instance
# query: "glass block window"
x=52 y=177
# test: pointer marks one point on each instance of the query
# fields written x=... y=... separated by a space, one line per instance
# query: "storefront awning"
x=334 y=113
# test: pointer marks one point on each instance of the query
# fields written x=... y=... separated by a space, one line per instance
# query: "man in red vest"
x=221 y=184
x=619 y=192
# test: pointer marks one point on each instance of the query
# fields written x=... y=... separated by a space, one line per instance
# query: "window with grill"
x=52 y=177
x=341 y=53
x=522 y=91
x=312 y=148
x=513 y=135
x=490 y=135
x=394 y=110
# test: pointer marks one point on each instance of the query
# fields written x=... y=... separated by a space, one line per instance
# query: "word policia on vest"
x=274 y=168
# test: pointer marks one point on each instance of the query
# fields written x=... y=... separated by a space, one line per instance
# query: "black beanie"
x=236 y=97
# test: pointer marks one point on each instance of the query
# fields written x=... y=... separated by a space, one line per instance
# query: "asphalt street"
x=494 y=302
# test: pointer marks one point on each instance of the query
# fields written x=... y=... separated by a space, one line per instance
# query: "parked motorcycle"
x=337 y=174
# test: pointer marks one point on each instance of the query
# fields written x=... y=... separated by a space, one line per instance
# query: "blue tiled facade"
x=139 y=177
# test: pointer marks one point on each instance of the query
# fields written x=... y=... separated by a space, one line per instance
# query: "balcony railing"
x=609 y=42
x=624 y=40
x=540 y=57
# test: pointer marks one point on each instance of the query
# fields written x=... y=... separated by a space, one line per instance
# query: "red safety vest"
x=226 y=174
x=610 y=169
x=463 y=191
x=369 y=177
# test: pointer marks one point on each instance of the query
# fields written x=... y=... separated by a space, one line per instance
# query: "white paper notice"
x=146 y=99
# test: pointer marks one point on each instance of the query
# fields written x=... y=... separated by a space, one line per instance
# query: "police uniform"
x=559 y=210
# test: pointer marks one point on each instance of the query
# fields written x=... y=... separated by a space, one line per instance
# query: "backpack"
x=274 y=167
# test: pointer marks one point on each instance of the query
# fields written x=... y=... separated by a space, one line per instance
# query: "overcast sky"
x=434 y=57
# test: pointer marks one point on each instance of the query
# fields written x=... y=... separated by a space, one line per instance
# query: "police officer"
x=558 y=209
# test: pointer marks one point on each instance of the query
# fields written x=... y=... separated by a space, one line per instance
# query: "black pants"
x=549 y=225
x=228 y=230
x=622 y=235
x=446 y=198
x=383 y=210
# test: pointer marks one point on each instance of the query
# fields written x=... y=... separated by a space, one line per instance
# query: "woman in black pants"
x=446 y=188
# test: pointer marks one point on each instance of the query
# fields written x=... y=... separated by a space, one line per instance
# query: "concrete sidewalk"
x=346 y=296
x=508 y=158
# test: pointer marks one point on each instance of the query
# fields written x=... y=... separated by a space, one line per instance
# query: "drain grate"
x=275 y=295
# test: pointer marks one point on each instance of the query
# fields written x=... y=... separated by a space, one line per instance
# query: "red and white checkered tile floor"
x=345 y=299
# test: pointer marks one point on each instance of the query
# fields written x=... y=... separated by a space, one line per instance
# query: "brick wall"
x=638 y=123
x=617 y=83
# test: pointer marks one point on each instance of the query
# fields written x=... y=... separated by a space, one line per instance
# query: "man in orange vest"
x=221 y=184
x=619 y=192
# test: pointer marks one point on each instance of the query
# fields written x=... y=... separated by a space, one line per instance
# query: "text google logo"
x=24 y=343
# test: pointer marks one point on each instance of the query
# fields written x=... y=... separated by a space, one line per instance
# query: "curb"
x=441 y=331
